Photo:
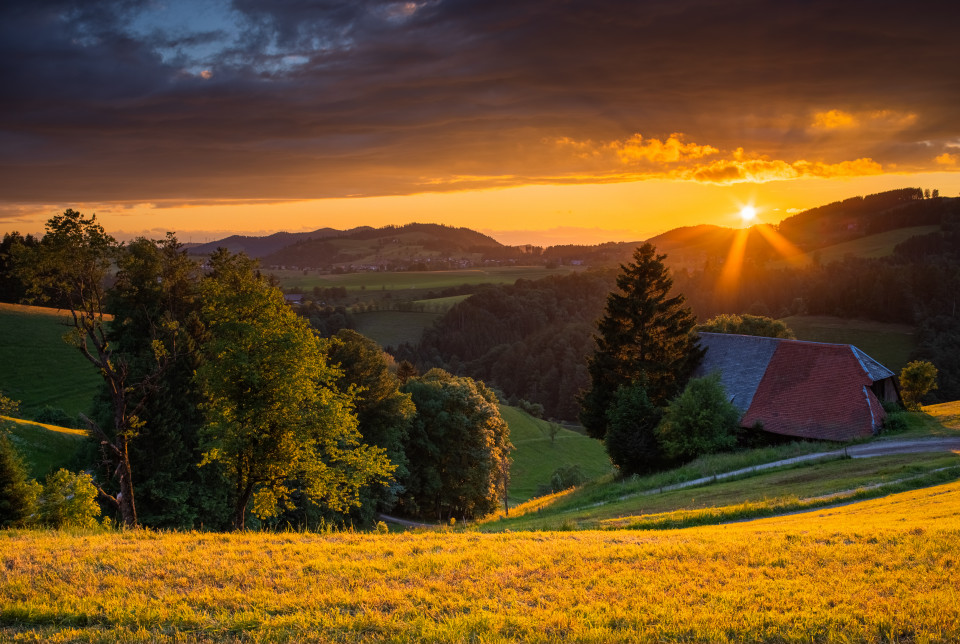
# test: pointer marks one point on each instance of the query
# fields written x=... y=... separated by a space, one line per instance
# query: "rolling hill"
x=39 y=368
x=391 y=246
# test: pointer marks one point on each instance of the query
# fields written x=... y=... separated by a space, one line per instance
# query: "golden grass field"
x=886 y=570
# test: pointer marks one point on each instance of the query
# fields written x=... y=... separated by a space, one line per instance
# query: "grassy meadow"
x=536 y=456
x=414 y=280
x=891 y=344
x=393 y=328
x=44 y=448
x=884 y=570
x=38 y=367
x=605 y=504
x=871 y=246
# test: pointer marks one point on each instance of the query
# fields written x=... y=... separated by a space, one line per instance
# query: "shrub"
x=917 y=379
x=67 y=500
x=699 y=421
x=56 y=416
x=631 y=439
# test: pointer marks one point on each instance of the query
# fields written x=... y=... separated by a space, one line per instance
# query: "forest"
x=531 y=339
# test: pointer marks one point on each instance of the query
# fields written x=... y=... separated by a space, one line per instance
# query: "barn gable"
x=803 y=389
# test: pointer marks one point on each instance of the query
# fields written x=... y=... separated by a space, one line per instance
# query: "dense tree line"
x=218 y=402
x=532 y=339
x=529 y=338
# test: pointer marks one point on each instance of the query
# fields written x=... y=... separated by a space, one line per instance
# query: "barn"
x=803 y=389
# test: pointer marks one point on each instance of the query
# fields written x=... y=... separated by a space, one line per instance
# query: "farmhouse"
x=803 y=389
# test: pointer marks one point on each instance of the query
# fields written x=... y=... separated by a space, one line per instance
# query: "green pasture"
x=44 y=448
x=393 y=328
x=536 y=457
x=37 y=367
x=891 y=344
x=879 y=245
x=413 y=280
x=771 y=490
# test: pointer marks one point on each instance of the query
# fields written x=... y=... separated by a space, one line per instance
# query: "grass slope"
x=879 y=245
x=811 y=484
x=44 y=448
x=412 y=280
x=393 y=328
x=38 y=367
x=878 y=571
x=536 y=457
x=891 y=344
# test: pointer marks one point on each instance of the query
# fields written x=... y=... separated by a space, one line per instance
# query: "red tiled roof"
x=815 y=390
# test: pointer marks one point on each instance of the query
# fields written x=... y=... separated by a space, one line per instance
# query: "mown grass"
x=44 y=448
x=946 y=415
x=891 y=344
x=37 y=367
x=761 y=493
x=536 y=457
x=879 y=571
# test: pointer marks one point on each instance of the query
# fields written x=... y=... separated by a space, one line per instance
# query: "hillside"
x=39 y=368
x=537 y=456
x=44 y=448
x=877 y=571
x=261 y=246
x=389 y=247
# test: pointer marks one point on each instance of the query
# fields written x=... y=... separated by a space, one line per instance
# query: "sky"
x=534 y=121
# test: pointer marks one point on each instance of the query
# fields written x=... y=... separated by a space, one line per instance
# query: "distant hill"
x=261 y=246
x=390 y=247
x=435 y=246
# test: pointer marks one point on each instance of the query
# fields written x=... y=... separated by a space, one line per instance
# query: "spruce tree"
x=17 y=493
x=645 y=336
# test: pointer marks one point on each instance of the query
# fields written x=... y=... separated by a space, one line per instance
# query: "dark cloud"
x=301 y=98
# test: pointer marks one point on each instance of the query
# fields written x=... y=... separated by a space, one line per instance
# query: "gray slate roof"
x=874 y=369
x=741 y=360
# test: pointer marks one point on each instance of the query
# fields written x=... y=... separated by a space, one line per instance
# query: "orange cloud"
x=833 y=120
x=947 y=159
x=762 y=170
x=674 y=149
x=840 y=120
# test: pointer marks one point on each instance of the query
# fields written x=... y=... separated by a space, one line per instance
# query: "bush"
x=562 y=478
x=631 y=439
x=917 y=379
x=67 y=500
x=699 y=421
x=895 y=422
x=56 y=416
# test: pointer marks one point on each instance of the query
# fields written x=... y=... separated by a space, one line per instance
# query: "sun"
x=748 y=214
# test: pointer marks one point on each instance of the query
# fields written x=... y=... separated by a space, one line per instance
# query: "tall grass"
x=878 y=571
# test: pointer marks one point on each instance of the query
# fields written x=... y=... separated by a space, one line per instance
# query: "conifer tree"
x=644 y=336
x=17 y=493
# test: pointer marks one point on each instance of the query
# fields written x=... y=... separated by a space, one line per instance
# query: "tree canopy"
x=459 y=448
x=747 y=324
x=275 y=420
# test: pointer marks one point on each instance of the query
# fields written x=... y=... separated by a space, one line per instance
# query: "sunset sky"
x=534 y=121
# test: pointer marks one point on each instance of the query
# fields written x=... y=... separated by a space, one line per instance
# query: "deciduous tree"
x=699 y=421
x=917 y=379
x=747 y=324
x=459 y=448
x=276 y=421
x=68 y=269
